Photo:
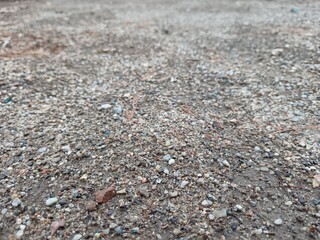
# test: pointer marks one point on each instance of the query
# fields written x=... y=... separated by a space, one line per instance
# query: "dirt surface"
x=159 y=119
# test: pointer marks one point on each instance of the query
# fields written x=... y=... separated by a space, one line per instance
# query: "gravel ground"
x=159 y=119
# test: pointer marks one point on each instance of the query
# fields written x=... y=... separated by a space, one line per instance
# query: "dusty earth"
x=203 y=115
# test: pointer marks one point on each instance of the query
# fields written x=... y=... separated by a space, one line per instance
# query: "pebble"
x=112 y=225
x=278 y=222
x=226 y=163
x=118 y=110
x=219 y=213
x=239 y=208
x=42 y=150
x=20 y=232
x=105 y=106
x=257 y=149
x=206 y=203
x=276 y=52
x=294 y=10
x=77 y=237
x=184 y=183
x=4 y=211
x=135 y=230
x=166 y=157
x=302 y=200
x=144 y=193
x=119 y=230
x=171 y=161
x=91 y=206
x=66 y=149
x=264 y=169
x=288 y=203
x=200 y=181
x=257 y=231
x=176 y=232
x=316 y=201
x=16 y=202
x=174 y=194
x=122 y=192
x=51 y=201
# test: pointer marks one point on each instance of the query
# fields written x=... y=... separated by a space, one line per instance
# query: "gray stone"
x=119 y=230
x=42 y=150
x=171 y=161
x=4 y=211
x=105 y=106
x=51 y=201
x=174 y=194
x=77 y=237
x=184 y=183
x=278 y=222
x=135 y=230
x=118 y=110
x=166 y=157
x=219 y=213
x=206 y=203
x=16 y=202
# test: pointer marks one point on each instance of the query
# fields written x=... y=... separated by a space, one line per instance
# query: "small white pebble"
x=171 y=161
x=278 y=222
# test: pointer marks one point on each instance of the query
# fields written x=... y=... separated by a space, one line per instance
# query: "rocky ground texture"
x=159 y=119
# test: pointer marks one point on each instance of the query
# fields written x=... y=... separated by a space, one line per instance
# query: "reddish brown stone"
x=103 y=196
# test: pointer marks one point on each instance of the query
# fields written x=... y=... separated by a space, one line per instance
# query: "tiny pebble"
x=117 y=110
x=51 y=201
x=105 y=106
x=176 y=232
x=257 y=231
x=174 y=194
x=171 y=161
x=77 y=237
x=4 y=211
x=226 y=163
x=288 y=203
x=113 y=226
x=16 y=202
x=42 y=150
x=119 y=230
x=166 y=157
x=135 y=230
x=184 y=183
x=206 y=203
x=278 y=222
